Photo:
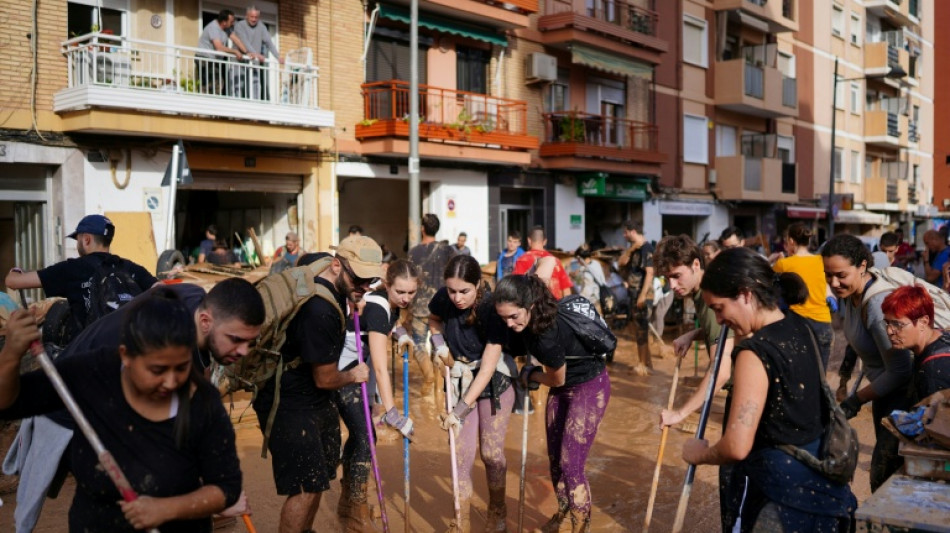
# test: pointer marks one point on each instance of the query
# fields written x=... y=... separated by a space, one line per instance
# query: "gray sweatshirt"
x=255 y=38
x=886 y=368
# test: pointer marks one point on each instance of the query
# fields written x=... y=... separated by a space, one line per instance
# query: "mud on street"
x=620 y=468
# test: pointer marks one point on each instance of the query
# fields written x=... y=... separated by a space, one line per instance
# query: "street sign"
x=182 y=173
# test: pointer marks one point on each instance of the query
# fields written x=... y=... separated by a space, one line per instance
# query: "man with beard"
x=305 y=432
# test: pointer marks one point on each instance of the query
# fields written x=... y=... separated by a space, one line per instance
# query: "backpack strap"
x=934 y=356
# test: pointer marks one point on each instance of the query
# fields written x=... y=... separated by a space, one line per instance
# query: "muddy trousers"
x=485 y=431
x=356 y=454
x=884 y=458
x=572 y=417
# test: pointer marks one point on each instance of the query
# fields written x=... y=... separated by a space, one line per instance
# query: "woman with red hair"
x=909 y=321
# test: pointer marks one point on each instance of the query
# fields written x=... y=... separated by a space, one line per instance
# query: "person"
x=551 y=271
x=378 y=321
x=222 y=255
x=905 y=251
x=936 y=255
x=775 y=400
x=578 y=396
x=165 y=426
x=731 y=237
x=431 y=257
x=211 y=68
x=255 y=43
x=207 y=245
x=460 y=247
x=888 y=369
x=710 y=250
x=468 y=337
x=886 y=250
x=588 y=276
x=305 y=435
x=355 y=231
x=509 y=256
x=227 y=320
x=75 y=279
x=289 y=252
x=810 y=268
x=909 y=321
x=636 y=266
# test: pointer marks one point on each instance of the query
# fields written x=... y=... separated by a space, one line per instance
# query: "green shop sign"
x=601 y=185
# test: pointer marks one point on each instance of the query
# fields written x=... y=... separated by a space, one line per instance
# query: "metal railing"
x=113 y=61
x=599 y=130
x=893 y=125
x=913 y=131
x=789 y=91
x=467 y=112
x=893 y=196
x=638 y=16
x=754 y=81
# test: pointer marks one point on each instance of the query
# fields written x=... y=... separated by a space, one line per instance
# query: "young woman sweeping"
x=579 y=390
x=468 y=337
x=164 y=425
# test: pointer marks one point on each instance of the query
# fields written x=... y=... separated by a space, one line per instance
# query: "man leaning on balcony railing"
x=250 y=80
x=211 y=68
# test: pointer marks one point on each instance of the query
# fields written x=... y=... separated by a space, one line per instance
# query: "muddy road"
x=620 y=468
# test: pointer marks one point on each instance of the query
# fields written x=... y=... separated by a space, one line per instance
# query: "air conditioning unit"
x=540 y=67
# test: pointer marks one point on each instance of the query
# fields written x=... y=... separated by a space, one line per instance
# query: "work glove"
x=403 y=339
x=851 y=406
x=393 y=419
x=832 y=303
x=453 y=421
x=441 y=350
x=525 y=376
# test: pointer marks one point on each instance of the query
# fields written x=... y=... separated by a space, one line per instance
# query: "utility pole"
x=415 y=214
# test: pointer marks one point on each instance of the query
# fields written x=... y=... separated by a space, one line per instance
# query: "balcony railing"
x=754 y=81
x=913 y=131
x=444 y=114
x=623 y=13
x=599 y=131
x=525 y=6
x=789 y=91
x=893 y=196
x=104 y=60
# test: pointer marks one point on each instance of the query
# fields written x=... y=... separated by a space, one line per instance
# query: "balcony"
x=780 y=15
x=885 y=128
x=508 y=14
x=753 y=85
x=453 y=124
x=758 y=174
x=887 y=52
x=898 y=12
x=885 y=194
x=128 y=86
x=582 y=141
x=913 y=131
x=604 y=24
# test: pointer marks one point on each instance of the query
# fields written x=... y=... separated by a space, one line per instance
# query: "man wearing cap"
x=291 y=250
x=305 y=434
x=75 y=279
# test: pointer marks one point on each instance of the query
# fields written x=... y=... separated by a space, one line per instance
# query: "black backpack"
x=112 y=287
x=578 y=313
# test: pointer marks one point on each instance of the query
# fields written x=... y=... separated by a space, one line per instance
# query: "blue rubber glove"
x=832 y=304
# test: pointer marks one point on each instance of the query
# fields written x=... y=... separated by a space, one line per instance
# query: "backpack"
x=112 y=287
x=284 y=293
x=591 y=330
x=891 y=278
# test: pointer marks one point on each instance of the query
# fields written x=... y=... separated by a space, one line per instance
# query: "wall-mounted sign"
x=600 y=185
x=694 y=209
x=577 y=221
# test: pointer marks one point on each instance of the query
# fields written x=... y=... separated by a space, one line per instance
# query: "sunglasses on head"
x=356 y=279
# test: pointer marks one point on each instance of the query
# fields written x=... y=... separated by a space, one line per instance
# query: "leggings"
x=356 y=454
x=573 y=415
x=487 y=432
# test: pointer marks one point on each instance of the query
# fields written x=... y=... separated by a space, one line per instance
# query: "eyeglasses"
x=895 y=325
x=358 y=281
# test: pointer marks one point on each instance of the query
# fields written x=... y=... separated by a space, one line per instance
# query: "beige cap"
x=362 y=254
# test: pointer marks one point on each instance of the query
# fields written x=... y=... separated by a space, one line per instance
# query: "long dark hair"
x=467 y=269
x=529 y=292
x=740 y=269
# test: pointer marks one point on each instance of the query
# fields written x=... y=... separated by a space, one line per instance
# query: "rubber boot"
x=343 y=506
x=496 y=521
x=580 y=521
x=357 y=519
x=554 y=524
x=465 y=526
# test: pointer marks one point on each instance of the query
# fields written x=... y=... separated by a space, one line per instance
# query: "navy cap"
x=94 y=225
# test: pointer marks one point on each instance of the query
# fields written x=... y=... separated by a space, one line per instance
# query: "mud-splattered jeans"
x=356 y=455
x=572 y=418
x=484 y=431
x=884 y=457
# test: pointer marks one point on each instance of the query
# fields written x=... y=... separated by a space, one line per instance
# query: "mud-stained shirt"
x=467 y=342
x=636 y=269
x=932 y=368
x=431 y=259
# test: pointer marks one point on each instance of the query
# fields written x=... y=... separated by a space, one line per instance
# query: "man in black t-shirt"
x=75 y=279
x=636 y=266
x=305 y=434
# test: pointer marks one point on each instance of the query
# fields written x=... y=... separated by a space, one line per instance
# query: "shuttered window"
x=695 y=140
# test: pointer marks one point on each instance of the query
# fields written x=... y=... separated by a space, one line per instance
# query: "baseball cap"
x=94 y=225
x=363 y=255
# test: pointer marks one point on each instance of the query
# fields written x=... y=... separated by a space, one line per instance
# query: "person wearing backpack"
x=776 y=400
x=909 y=321
x=303 y=432
x=95 y=283
x=588 y=276
x=468 y=337
x=578 y=381
x=860 y=294
x=378 y=321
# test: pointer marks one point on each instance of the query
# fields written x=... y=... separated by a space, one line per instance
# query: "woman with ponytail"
x=776 y=399
x=578 y=396
x=467 y=336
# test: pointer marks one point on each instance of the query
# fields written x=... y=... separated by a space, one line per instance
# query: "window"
x=837 y=20
x=725 y=141
x=471 y=66
x=694 y=41
x=855 y=29
x=559 y=93
x=695 y=140
x=839 y=95
x=868 y=166
x=855 y=167
x=839 y=162
x=856 y=98
x=388 y=58
x=83 y=16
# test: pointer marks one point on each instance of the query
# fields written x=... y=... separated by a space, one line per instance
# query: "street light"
x=896 y=72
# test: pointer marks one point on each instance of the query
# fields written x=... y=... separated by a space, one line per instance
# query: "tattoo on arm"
x=746 y=414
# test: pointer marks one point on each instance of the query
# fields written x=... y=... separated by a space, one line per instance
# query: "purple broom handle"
x=369 y=427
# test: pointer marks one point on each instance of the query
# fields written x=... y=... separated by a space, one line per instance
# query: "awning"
x=443 y=25
x=855 y=216
x=809 y=213
x=596 y=59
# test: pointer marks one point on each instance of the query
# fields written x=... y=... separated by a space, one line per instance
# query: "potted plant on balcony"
x=571 y=128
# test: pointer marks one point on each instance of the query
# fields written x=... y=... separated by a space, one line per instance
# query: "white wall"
x=713 y=224
x=652 y=221
x=567 y=203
